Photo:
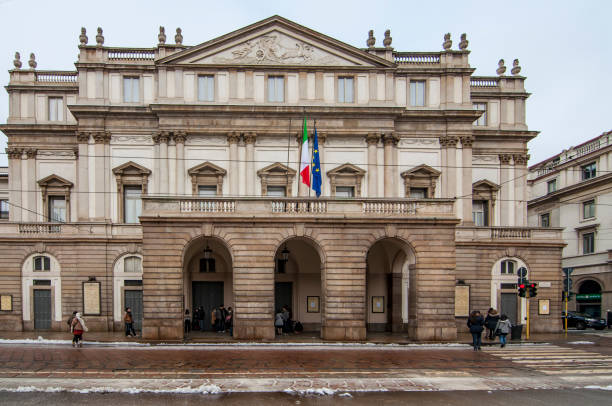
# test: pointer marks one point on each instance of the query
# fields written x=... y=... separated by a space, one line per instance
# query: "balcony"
x=330 y=208
x=80 y=230
x=510 y=235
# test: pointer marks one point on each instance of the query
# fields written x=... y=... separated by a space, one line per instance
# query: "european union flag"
x=316 y=165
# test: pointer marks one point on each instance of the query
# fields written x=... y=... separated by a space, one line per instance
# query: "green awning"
x=588 y=296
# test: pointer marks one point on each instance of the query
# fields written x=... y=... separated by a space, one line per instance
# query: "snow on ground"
x=609 y=387
x=581 y=342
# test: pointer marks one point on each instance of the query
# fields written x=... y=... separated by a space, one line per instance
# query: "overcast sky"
x=563 y=46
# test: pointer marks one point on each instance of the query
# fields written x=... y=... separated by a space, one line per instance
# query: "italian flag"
x=305 y=160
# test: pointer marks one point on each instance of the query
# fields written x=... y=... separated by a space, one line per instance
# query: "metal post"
x=565 y=320
x=527 y=318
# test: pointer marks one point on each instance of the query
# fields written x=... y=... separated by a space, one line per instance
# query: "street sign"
x=568 y=271
x=522 y=272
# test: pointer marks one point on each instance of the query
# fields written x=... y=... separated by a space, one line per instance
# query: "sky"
x=563 y=46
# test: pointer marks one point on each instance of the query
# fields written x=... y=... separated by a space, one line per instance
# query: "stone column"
x=232 y=139
x=14 y=157
x=504 y=183
x=179 y=139
x=82 y=197
x=156 y=164
x=31 y=196
x=171 y=165
x=164 y=137
x=466 y=179
x=249 y=140
x=451 y=166
x=389 y=140
x=520 y=189
x=443 y=167
x=100 y=139
x=372 y=141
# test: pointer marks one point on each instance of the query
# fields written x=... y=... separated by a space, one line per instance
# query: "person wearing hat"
x=77 y=327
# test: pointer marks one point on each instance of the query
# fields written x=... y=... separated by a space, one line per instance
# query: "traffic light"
x=521 y=290
x=567 y=284
x=533 y=289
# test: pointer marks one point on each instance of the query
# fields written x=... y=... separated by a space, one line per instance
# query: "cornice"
x=555 y=196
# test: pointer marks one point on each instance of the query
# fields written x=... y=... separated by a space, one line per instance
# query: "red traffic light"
x=532 y=285
x=522 y=286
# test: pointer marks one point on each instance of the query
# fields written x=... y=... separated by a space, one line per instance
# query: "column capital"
x=101 y=137
x=180 y=137
x=447 y=141
x=390 y=138
x=250 y=137
x=82 y=137
x=164 y=137
x=520 y=159
x=233 y=137
x=467 y=141
x=14 y=153
x=75 y=150
x=372 y=138
x=31 y=152
x=322 y=137
x=504 y=159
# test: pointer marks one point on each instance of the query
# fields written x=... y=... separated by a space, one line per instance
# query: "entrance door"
x=208 y=295
x=42 y=309
x=283 y=295
x=509 y=304
x=133 y=300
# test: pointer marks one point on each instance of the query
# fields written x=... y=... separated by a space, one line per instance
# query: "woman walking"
x=491 y=322
x=503 y=328
x=77 y=327
x=475 y=323
x=129 y=323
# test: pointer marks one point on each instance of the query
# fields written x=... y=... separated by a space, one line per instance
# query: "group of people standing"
x=221 y=319
x=284 y=323
x=495 y=324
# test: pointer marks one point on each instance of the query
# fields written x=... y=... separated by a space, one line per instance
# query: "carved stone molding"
x=322 y=138
x=346 y=175
x=155 y=137
x=520 y=159
x=101 y=137
x=164 y=137
x=206 y=174
x=467 y=141
x=372 y=138
x=14 y=153
x=276 y=174
x=233 y=137
x=54 y=185
x=390 y=139
x=422 y=176
x=180 y=137
x=504 y=159
x=250 y=138
x=31 y=152
x=82 y=137
x=449 y=141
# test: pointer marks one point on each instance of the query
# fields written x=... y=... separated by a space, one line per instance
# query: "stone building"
x=167 y=178
x=573 y=190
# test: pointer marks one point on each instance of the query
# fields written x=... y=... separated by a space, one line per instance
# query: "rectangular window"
x=507 y=267
x=276 y=191
x=417 y=93
x=345 y=90
x=207 y=190
x=345 y=191
x=132 y=264
x=132 y=204
x=56 y=109
x=4 y=209
x=41 y=282
x=482 y=120
x=207 y=265
x=42 y=263
x=588 y=209
x=589 y=171
x=551 y=186
x=480 y=213
x=132 y=282
x=418 y=192
x=131 y=90
x=588 y=243
x=276 y=88
x=57 y=209
x=545 y=220
x=206 y=88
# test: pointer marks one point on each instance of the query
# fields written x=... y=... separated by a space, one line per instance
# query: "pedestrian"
x=279 y=322
x=286 y=316
x=504 y=326
x=187 y=321
x=129 y=323
x=221 y=313
x=213 y=319
x=475 y=323
x=196 y=319
x=201 y=320
x=491 y=322
x=77 y=326
x=69 y=321
x=229 y=320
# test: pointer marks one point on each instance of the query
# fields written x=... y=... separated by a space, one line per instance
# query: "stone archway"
x=588 y=298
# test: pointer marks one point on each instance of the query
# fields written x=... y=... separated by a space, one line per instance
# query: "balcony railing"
x=510 y=234
x=131 y=54
x=57 y=77
x=483 y=82
x=416 y=58
x=69 y=230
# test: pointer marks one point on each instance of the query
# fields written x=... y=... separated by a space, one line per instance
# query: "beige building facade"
x=167 y=178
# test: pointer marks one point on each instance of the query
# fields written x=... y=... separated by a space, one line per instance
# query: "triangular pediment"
x=276 y=169
x=131 y=168
x=346 y=169
x=421 y=171
x=55 y=181
x=275 y=41
x=207 y=168
x=485 y=185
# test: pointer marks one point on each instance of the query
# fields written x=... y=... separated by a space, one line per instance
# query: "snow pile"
x=202 y=389
x=581 y=342
x=609 y=387
x=311 y=391
x=41 y=340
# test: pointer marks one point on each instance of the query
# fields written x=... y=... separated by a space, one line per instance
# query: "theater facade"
x=167 y=178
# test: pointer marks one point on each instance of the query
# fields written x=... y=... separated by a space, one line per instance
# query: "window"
x=276 y=191
x=545 y=220
x=42 y=263
x=417 y=93
x=418 y=192
x=131 y=90
x=132 y=203
x=345 y=90
x=345 y=191
x=508 y=267
x=132 y=282
x=588 y=243
x=482 y=120
x=588 y=209
x=276 y=88
x=4 y=209
x=206 y=88
x=41 y=282
x=480 y=213
x=207 y=190
x=551 y=186
x=57 y=209
x=589 y=171
x=207 y=265
x=132 y=264
x=56 y=109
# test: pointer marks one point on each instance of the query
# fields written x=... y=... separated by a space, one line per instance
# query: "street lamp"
x=285 y=254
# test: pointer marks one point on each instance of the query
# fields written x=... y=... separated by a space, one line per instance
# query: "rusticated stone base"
x=254 y=332
x=425 y=333
x=162 y=329
x=343 y=333
x=11 y=323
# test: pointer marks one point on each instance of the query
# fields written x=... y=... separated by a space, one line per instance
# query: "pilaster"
x=505 y=184
x=466 y=179
x=179 y=140
x=249 y=140
x=372 y=141
x=233 y=138
x=83 y=194
x=14 y=158
x=390 y=140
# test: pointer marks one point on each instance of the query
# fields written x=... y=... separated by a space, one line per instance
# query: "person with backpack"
x=69 y=321
x=475 y=323
x=490 y=323
x=77 y=326
x=129 y=323
x=504 y=326
x=229 y=320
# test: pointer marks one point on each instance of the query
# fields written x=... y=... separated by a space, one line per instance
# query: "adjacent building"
x=167 y=178
x=573 y=190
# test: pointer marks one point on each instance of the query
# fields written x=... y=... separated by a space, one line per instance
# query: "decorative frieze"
x=14 y=153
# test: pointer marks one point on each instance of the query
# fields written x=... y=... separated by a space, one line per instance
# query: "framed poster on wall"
x=312 y=304
x=6 y=303
x=544 y=306
x=378 y=304
x=462 y=301
x=91 y=298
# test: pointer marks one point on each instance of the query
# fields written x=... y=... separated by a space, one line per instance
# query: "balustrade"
x=483 y=82
x=510 y=232
x=208 y=206
x=131 y=54
x=413 y=58
x=56 y=77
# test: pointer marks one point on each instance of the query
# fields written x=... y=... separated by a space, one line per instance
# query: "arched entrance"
x=504 y=298
x=297 y=282
x=588 y=298
x=390 y=287
x=207 y=281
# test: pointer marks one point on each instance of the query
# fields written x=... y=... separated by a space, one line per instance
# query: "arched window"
x=41 y=263
x=508 y=267
x=132 y=264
